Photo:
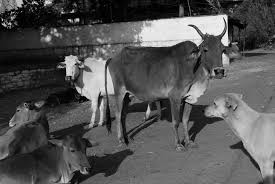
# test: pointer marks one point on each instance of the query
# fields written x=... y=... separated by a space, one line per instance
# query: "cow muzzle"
x=69 y=80
x=218 y=73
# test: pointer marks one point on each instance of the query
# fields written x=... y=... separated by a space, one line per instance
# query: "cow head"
x=211 y=52
x=72 y=65
x=27 y=111
x=74 y=153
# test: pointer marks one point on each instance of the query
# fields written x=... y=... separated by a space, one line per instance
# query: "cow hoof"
x=180 y=147
x=91 y=126
x=191 y=144
x=101 y=124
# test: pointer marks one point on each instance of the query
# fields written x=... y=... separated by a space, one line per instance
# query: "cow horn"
x=224 y=30
x=198 y=30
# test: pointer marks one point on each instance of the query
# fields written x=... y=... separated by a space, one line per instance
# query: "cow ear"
x=232 y=53
x=195 y=54
x=80 y=65
x=61 y=65
x=39 y=104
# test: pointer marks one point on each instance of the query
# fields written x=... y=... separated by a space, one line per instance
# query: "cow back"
x=152 y=72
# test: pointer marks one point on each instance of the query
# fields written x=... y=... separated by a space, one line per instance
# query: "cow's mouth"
x=218 y=73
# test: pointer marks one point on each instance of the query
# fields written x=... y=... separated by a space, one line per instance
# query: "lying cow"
x=177 y=72
x=88 y=77
x=30 y=111
x=65 y=96
x=23 y=138
x=52 y=163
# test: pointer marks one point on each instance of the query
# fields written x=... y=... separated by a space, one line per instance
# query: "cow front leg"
x=185 y=118
x=101 y=111
x=175 y=109
x=94 y=107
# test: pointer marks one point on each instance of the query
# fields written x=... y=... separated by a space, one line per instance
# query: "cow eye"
x=72 y=150
x=17 y=110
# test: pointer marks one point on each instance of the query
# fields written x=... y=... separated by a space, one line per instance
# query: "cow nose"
x=219 y=73
x=68 y=78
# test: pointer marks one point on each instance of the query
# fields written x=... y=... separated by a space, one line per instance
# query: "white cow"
x=88 y=79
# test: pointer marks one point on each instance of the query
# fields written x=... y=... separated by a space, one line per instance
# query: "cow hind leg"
x=185 y=118
x=101 y=110
x=94 y=107
x=148 y=111
x=122 y=101
x=175 y=109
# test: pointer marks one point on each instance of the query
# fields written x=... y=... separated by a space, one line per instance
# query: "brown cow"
x=177 y=72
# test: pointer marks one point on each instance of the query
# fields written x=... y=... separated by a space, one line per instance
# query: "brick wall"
x=30 y=78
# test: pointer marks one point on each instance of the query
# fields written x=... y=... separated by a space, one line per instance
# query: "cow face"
x=74 y=153
x=27 y=111
x=212 y=50
x=72 y=65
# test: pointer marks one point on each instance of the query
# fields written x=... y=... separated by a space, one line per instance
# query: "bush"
x=33 y=13
x=260 y=20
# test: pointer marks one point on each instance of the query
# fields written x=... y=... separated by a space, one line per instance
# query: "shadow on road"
x=254 y=54
x=107 y=164
x=239 y=145
x=76 y=129
x=196 y=116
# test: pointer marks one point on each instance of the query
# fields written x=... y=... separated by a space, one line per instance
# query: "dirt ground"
x=150 y=157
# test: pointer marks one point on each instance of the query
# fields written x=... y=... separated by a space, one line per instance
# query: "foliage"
x=259 y=17
x=215 y=6
x=33 y=13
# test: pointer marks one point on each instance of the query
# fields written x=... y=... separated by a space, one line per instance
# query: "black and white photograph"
x=137 y=91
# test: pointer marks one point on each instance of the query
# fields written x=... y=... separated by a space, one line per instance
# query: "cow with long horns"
x=179 y=72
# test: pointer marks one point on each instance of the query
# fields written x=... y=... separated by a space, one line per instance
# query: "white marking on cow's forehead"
x=71 y=60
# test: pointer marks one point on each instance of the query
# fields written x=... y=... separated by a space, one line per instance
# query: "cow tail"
x=108 y=113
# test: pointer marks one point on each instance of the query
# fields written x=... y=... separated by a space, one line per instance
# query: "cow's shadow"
x=79 y=129
x=196 y=116
x=107 y=164
x=239 y=145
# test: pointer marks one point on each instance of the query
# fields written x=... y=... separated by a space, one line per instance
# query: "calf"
x=53 y=163
x=23 y=138
x=30 y=111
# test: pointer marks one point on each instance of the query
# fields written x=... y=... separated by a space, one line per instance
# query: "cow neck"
x=201 y=72
x=64 y=168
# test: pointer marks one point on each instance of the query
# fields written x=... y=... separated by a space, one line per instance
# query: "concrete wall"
x=106 y=39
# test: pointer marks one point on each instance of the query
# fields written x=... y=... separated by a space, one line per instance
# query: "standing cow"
x=88 y=77
x=178 y=72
